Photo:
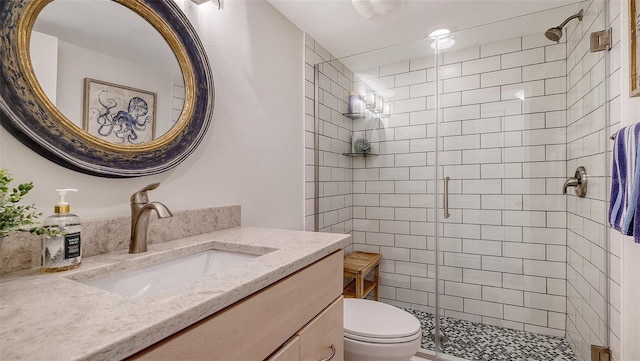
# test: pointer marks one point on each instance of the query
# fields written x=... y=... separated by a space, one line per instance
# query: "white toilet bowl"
x=376 y=331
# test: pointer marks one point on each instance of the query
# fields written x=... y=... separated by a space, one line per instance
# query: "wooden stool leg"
x=359 y=286
x=377 y=282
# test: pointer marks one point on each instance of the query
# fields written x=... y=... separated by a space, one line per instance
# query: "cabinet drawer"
x=290 y=351
x=323 y=331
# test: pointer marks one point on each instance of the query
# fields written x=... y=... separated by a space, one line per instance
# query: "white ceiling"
x=333 y=23
x=342 y=31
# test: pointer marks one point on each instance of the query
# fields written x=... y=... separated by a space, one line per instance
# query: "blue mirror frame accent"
x=27 y=114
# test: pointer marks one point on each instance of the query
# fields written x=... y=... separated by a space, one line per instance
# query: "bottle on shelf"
x=356 y=103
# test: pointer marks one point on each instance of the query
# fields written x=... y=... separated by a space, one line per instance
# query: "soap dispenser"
x=61 y=243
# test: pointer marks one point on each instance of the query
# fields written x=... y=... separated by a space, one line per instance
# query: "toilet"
x=376 y=331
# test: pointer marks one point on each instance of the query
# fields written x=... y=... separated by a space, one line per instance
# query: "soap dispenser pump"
x=61 y=243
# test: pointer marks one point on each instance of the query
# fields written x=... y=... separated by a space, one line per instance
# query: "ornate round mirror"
x=112 y=88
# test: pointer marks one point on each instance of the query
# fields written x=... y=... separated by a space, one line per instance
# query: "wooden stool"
x=357 y=265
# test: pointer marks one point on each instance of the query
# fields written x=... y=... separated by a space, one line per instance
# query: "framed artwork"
x=117 y=113
x=634 y=49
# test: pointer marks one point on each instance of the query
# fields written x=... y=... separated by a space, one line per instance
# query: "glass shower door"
x=520 y=266
x=393 y=187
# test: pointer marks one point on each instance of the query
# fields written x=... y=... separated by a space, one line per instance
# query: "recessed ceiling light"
x=439 y=32
x=371 y=8
x=443 y=43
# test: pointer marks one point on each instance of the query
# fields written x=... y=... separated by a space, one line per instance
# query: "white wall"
x=76 y=63
x=625 y=111
x=44 y=60
x=250 y=156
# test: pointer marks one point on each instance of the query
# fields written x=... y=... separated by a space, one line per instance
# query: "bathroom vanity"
x=284 y=304
x=305 y=307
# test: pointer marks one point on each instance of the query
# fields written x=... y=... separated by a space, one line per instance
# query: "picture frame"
x=634 y=49
x=119 y=114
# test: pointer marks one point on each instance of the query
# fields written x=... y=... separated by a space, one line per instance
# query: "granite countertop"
x=55 y=317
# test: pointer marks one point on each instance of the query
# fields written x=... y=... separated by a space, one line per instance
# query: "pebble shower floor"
x=479 y=342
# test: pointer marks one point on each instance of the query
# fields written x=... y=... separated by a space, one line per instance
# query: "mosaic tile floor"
x=478 y=342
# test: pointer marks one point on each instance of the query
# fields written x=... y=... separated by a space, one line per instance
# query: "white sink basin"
x=159 y=278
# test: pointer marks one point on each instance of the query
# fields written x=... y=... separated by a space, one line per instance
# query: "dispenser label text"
x=72 y=245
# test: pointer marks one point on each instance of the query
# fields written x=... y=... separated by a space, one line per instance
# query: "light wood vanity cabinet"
x=320 y=339
x=317 y=337
x=289 y=352
x=296 y=318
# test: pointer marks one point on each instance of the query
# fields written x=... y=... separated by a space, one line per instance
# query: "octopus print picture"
x=119 y=114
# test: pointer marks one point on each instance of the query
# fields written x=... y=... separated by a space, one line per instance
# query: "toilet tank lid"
x=377 y=320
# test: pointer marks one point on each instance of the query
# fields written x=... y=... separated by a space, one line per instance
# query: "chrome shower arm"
x=578 y=15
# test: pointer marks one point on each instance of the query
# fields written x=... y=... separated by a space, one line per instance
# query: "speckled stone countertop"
x=56 y=317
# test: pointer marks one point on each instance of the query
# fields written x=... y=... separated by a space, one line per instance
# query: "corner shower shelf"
x=365 y=115
x=355 y=115
x=359 y=154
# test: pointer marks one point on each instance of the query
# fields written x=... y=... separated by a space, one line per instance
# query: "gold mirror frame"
x=28 y=114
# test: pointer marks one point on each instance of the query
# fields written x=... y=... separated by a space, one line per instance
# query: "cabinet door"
x=290 y=351
x=323 y=332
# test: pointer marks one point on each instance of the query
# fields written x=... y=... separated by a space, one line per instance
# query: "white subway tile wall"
x=586 y=127
x=518 y=117
x=335 y=131
x=503 y=141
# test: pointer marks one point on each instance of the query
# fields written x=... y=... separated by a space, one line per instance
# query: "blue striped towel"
x=624 y=205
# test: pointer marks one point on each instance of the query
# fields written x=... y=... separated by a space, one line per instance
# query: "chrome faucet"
x=140 y=213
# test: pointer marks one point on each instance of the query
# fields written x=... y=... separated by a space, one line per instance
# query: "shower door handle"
x=446 y=197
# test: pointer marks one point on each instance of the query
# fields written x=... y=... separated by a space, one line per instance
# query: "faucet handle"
x=140 y=196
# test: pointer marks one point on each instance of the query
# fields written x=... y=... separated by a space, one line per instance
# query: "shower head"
x=554 y=34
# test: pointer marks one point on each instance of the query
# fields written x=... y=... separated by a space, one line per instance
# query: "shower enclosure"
x=462 y=190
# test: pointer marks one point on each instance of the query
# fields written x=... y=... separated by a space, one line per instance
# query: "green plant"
x=13 y=216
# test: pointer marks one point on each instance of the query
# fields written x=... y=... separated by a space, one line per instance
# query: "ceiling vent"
x=371 y=8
